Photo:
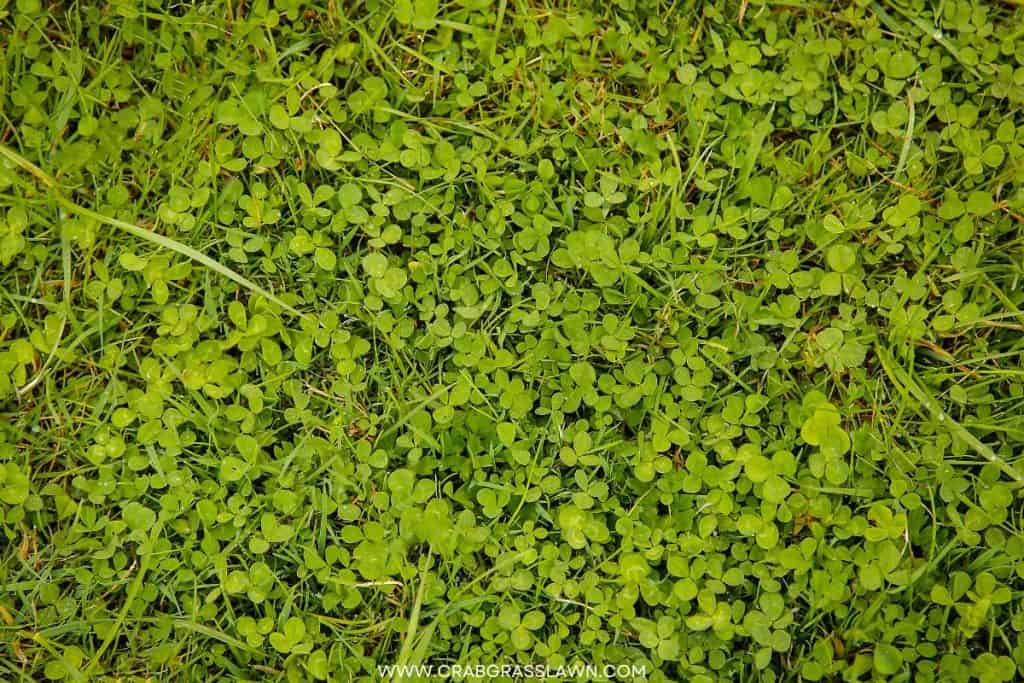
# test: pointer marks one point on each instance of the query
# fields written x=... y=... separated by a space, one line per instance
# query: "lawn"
x=633 y=340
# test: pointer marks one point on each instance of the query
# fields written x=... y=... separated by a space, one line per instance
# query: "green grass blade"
x=907 y=385
x=146 y=235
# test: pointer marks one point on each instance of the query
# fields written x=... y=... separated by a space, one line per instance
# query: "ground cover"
x=670 y=335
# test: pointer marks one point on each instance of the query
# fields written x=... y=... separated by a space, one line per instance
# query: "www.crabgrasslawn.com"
x=476 y=671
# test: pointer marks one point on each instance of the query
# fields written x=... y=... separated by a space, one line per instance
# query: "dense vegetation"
x=679 y=335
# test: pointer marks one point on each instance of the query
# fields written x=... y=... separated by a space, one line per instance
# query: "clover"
x=684 y=337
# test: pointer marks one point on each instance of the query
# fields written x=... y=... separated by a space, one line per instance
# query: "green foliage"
x=682 y=336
